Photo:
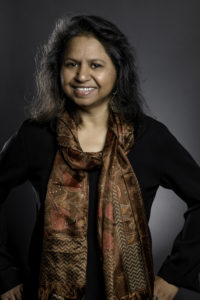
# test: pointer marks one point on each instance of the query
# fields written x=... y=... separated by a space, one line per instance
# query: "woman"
x=96 y=160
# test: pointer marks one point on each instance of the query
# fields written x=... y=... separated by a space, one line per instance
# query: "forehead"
x=86 y=46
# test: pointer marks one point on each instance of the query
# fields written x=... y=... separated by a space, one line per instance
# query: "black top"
x=157 y=158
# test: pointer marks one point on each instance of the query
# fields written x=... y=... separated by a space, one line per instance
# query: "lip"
x=84 y=86
x=82 y=93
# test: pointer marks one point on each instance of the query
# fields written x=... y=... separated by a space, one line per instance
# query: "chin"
x=84 y=102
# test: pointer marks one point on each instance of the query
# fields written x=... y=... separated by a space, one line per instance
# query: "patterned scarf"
x=122 y=231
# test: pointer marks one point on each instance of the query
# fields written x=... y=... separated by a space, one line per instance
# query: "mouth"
x=83 y=91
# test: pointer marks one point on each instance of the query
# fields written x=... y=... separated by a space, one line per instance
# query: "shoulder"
x=156 y=137
x=151 y=127
x=32 y=128
x=33 y=133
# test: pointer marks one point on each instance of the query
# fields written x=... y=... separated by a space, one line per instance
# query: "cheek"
x=61 y=80
x=64 y=77
x=111 y=76
x=64 y=82
x=107 y=79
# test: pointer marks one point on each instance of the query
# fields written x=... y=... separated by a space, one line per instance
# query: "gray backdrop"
x=166 y=36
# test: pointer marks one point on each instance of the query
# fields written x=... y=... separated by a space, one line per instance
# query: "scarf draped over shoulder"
x=124 y=246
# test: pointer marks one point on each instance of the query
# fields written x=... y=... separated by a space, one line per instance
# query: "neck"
x=94 y=118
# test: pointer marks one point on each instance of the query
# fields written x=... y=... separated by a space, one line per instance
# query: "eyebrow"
x=70 y=58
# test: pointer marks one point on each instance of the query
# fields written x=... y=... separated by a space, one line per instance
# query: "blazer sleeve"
x=181 y=173
x=13 y=172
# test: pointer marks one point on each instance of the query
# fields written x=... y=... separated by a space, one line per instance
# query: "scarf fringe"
x=67 y=292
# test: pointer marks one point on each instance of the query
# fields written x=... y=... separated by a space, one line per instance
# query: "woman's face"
x=88 y=75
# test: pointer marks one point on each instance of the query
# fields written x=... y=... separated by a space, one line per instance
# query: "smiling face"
x=87 y=74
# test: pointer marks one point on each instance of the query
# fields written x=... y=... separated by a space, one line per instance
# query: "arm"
x=13 y=172
x=181 y=173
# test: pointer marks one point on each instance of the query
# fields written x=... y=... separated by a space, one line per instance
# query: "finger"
x=21 y=288
x=19 y=295
x=10 y=297
x=7 y=297
x=13 y=297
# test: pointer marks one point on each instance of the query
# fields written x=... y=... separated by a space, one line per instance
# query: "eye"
x=95 y=65
x=70 y=64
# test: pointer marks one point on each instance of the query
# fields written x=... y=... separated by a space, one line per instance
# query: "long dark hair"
x=50 y=99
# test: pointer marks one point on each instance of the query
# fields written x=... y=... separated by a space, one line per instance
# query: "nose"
x=83 y=73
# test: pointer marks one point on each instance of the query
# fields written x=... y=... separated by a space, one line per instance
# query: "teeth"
x=84 y=89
